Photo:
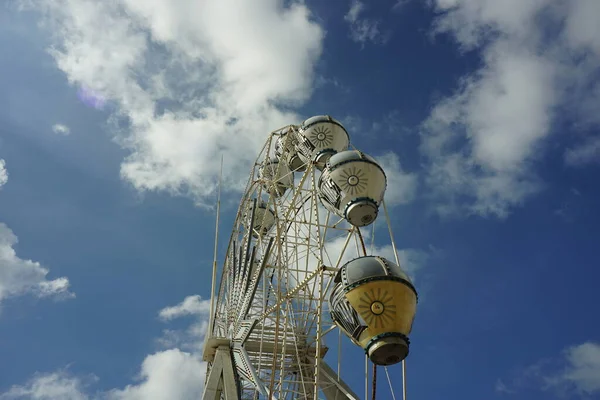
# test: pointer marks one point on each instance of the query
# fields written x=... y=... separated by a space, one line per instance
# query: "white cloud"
x=61 y=129
x=411 y=260
x=169 y=374
x=501 y=387
x=482 y=141
x=582 y=30
x=401 y=185
x=582 y=370
x=19 y=276
x=356 y=7
x=191 y=338
x=191 y=305
x=584 y=153
x=362 y=29
x=400 y=4
x=166 y=375
x=501 y=113
x=474 y=21
x=575 y=374
x=3 y=173
x=53 y=287
x=52 y=386
x=188 y=80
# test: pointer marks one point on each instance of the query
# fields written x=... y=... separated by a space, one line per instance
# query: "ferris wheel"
x=299 y=267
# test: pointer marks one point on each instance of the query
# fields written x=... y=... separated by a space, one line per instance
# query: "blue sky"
x=485 y=114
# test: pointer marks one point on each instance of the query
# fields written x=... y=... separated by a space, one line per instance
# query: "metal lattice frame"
x=272 y=306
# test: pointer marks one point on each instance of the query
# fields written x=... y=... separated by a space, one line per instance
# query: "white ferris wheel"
x=299 y=271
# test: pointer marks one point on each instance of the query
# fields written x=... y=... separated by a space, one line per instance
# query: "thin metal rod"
x=348 y=237
x=366 y=377
x=214 y=271
x=339 y=353
x=387 y=217
x=362 y=241
x=319 y=329
x=404 y=379
x=390 y=383
x=372 y=239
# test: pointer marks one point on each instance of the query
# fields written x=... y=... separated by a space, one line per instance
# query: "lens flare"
x=91 y=98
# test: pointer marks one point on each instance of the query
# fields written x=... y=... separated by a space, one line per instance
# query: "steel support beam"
x=221 y=377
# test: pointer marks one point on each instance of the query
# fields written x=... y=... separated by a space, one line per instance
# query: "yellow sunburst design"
x=376 y=307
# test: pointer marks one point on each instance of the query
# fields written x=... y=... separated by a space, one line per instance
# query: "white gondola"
x=276 y=177
x=352 y=185
x=319 y=138
x=285 y=148
x=264 y=218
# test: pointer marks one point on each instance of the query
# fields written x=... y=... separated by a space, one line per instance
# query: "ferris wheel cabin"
x=352 y=186
x=375 y=302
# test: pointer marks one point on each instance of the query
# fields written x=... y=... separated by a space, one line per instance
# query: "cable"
x=374 y=390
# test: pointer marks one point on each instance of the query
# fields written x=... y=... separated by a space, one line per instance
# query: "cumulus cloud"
x=401 y=185
x=582 y=30
x=573 y=374
x=191 y=338
x=363 y=30
x=483 y=140
x=584 y=153
x=188 y=80
x=3 y=173
x=19 y=276
x=411 y=260
x=582 y=368
x=57 y=385
x=166 y=375
x=191 y=305
x=501 y=387
x=169 y=374
x=61 y=129
x=502 y=112
x=177 y=372
x=400 y=4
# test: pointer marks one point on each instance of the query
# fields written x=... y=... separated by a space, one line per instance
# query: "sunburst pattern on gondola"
x=353 y=180
x=321 y=136
x=376 y=308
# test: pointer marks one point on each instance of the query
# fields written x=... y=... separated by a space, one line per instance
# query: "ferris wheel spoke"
x=252 y=285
